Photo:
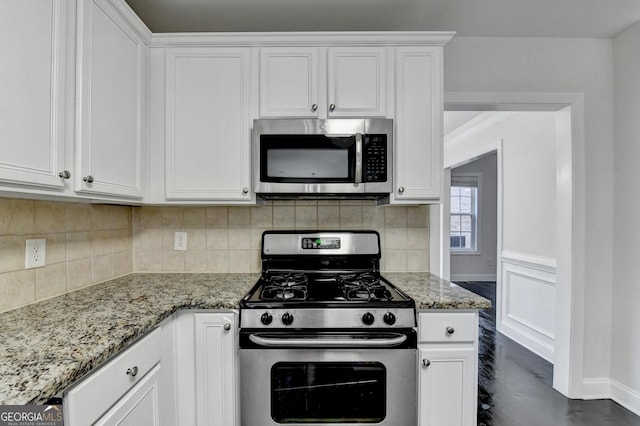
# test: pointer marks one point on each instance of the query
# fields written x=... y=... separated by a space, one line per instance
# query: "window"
x=464 y=212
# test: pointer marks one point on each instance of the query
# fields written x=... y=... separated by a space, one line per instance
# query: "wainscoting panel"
x=528 y=302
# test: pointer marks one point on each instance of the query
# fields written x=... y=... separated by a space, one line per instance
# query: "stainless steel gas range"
x=324 y=338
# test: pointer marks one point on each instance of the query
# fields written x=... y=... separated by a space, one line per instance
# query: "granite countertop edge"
x=49 y=345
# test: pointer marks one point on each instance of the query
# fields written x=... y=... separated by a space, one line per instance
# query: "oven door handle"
x=273 y=342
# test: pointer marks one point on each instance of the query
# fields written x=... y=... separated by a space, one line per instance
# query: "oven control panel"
x=331 y=243
x=323 y=318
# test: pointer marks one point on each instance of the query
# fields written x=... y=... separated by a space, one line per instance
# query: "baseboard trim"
x=472 y=277
x=604 y=388
x=625 y=396
x=528 y=340
x=597 y=388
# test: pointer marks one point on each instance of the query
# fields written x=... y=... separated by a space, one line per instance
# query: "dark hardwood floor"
x=515 y=385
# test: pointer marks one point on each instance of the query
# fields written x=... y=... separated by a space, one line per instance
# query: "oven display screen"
x=328 y=392
x=331 y=243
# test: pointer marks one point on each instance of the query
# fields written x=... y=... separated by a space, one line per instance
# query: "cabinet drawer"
x=96 y=393
x=447 y=327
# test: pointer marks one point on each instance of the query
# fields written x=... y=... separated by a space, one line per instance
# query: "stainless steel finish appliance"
x=324 y=338
x=312 y=158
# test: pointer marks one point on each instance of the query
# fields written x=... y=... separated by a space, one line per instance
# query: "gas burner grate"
x=279 y=293
x=292 y=286
x=365 y=286
x=288 y=280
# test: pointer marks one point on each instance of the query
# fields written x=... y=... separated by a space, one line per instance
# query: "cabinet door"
x=139 y=407
x=447 y=386
x=289 y=82
x=418 y=125
x=216 y=369
x=357 y=81
x=111 y=93
x=208 y=124
x=32 y=104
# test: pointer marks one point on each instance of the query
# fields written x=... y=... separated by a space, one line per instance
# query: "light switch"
x=180 y=242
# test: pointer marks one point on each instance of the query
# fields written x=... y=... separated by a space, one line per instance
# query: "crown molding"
x=477 y=124
x=334 y=38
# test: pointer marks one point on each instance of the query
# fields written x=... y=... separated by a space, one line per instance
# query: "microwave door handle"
x=273 y=342
x=358 y=177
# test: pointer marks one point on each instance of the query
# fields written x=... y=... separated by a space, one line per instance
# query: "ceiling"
x=503 y=18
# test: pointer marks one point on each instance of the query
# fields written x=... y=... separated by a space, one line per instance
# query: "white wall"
x=529 y=183
x=526 y=144
x=546 y=65
x=482 y=266
x=625 y=370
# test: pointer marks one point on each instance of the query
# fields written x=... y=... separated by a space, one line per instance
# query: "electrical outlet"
x=180 y=242
x=35 y=253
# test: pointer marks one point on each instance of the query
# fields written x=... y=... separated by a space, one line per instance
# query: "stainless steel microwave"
x=332 y=158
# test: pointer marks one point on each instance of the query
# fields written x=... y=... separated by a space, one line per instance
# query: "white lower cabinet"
x=206 y=375
x=448 y=368
x=122 y=392
x=183 y=373
x=216 y=369
x=139 y=407
x=446 y=390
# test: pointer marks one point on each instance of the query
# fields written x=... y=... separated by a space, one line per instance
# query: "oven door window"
x=307 y=158
x=328 y=392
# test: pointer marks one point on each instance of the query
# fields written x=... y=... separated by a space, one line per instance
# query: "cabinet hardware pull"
x=245 y=190
x=88 y=179
x=401 y=189
x=227 y=327
x=65 y=174
x=426 y=362
x=314 y=107
x=451 y=330
x=332 y=107
x=132 y=371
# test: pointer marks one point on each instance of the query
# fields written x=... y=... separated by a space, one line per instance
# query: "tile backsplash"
x=85 y=244
x=227 y=239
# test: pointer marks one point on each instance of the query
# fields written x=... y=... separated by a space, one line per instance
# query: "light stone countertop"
x=49 y=345
x=432 y=292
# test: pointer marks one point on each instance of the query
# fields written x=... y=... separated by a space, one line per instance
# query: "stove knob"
x=389 y=318
x=287 y=318
x=368 y=318
x=266 y=318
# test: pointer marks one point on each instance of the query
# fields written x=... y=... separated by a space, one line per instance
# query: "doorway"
x=569 y=219
x=473 y=207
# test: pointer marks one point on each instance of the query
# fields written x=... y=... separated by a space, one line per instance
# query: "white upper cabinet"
x=356 y=81
x=32 y=105
x=208 y=124
x=111 y=102
x=176 y=110
x=289 y=82
x=418 y=125
x=319 y=82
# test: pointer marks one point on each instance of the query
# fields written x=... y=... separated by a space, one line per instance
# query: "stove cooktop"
x=325 y=290
x=324 y=279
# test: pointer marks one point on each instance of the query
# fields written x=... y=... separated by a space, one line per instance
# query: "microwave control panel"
x=375 y=158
